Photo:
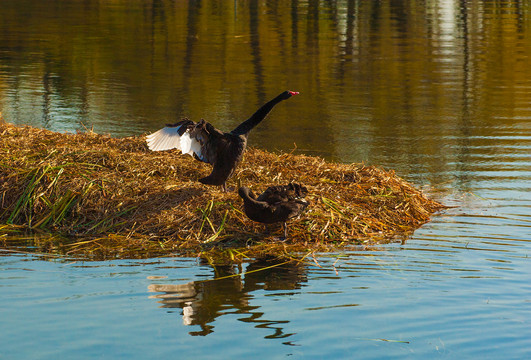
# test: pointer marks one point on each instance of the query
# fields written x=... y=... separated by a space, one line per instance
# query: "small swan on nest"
x=276 y=204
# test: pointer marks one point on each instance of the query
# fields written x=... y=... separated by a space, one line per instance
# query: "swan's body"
x=276 y=204
x=208 y=144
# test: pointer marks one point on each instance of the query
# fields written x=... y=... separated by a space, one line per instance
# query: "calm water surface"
x=439 y=91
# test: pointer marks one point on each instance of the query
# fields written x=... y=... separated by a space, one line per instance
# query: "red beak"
x=294 y=93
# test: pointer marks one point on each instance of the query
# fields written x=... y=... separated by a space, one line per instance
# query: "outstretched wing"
x=165 y=139
x=176 y=136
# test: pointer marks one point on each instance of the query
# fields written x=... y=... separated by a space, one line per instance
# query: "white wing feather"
x=168 y=138
x=165 y=139
x=190 y=145
x=186 y=143
x=195 y=146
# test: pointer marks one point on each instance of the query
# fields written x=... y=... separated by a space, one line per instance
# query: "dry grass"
x=112 y=197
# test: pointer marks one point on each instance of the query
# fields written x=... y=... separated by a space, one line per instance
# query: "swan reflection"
x=230 y=292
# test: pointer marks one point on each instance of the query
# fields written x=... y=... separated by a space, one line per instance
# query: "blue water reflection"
x=435 y=295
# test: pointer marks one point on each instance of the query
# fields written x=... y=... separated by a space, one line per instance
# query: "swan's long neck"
x=247 y=195
x=245 y=127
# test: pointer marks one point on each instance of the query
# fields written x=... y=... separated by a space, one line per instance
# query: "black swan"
x=206 y=143
x=276 y=204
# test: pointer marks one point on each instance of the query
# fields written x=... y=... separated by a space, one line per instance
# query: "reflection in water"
x=230 y=292
x=402 y=85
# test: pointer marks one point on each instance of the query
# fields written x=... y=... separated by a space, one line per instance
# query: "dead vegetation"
x=109 y=197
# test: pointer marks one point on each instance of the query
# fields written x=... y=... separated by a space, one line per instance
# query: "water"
x=439 y=91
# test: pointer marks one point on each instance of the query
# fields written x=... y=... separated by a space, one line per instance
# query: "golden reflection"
x=201 y=302
x=385 y=82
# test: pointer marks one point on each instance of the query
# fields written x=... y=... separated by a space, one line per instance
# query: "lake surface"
x=439 y=91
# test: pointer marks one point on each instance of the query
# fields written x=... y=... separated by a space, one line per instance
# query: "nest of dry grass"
x=114 y=197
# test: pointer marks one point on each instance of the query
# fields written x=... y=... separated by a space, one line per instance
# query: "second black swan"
x=276 y=204
x=223 y=150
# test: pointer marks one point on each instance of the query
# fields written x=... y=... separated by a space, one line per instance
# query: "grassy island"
x=93 y=195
